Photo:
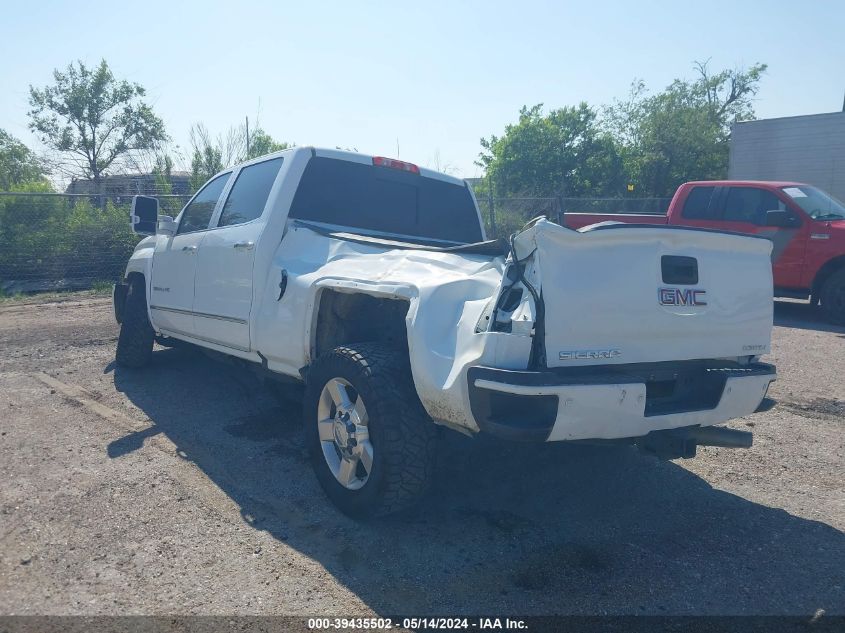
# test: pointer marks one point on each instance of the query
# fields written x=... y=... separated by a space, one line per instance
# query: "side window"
x=198 y=213
x=749 y=204
x=697 y=205
x=249 y=193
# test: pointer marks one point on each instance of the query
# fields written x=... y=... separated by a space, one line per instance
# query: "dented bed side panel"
x=446 y=293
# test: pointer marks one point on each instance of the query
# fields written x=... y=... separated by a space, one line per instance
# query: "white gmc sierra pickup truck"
x=370 y=280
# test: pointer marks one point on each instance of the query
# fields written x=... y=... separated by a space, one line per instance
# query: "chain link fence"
x=66 y=241
x=52 y=241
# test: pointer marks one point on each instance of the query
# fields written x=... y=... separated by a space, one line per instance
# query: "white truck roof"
x=353 y=157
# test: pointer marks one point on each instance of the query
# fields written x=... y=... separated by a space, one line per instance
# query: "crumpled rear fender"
x=443 y=343
x=441 y=324
x=446 y=294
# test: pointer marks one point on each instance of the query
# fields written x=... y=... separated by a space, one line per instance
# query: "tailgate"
x=625 y=294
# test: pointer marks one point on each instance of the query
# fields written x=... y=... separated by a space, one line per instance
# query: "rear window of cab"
x=385 y=200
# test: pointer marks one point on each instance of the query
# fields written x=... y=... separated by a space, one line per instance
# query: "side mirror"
x=782 y=219
x=144 y=215
x=167 y=226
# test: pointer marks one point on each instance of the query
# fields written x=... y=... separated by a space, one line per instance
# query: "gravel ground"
x=183 y=489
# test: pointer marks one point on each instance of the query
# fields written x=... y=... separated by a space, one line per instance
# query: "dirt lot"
x=183 y=488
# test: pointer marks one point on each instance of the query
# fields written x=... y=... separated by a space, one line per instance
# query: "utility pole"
x=561 y=202
x=491 y=204
x=247 y=137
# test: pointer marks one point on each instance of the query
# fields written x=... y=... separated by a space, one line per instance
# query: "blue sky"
x=434 y=77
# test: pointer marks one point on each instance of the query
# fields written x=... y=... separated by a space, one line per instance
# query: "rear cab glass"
x=385 y=200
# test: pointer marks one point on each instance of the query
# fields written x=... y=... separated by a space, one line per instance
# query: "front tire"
x=371 y=442
x=832 y=297
x=135 y=342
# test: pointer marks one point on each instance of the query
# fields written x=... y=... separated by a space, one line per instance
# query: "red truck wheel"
x=832 y=298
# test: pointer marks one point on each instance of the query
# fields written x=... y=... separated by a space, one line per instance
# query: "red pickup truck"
x=806 y=225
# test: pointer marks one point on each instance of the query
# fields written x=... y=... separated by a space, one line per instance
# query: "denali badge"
x=755 y=348
x=681 y=297
x=589 y=354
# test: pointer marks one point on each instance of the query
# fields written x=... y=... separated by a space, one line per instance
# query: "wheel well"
x=135 y=277
x=352 y=318
x=830 y=267
x=121 y=291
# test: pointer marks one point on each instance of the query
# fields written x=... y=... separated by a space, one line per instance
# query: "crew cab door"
x=175 y=261
x=224 y=280
x=743 y=209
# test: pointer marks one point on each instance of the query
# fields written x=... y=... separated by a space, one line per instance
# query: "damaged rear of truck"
x=370 y=280
x=605 y=334
x=637 y=333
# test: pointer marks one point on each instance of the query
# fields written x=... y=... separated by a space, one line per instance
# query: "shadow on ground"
x=804 y=316
x=508 y=528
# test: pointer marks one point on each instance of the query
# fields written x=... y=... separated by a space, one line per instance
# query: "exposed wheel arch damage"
x=433 y=325
x=345 y=317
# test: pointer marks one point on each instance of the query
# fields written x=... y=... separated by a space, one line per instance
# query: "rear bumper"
x=614 y=401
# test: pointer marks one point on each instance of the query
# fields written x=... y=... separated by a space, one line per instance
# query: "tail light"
x=392 y=163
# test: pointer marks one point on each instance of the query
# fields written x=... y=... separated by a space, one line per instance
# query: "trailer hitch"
x=675 y=443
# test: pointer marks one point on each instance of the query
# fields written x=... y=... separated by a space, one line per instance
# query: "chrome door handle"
x=189 y=249
x=245 y=245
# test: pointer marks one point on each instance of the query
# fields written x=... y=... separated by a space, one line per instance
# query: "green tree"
x=93 y=119
x=162 y=172
x=206 y=156
x=18 y=165
x=261 y=143
x=683 y=132
x=563 y=152
x=211 y=155
x=205 y=163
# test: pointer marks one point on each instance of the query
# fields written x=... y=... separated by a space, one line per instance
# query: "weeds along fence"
x=66 y=241
x=54 y=241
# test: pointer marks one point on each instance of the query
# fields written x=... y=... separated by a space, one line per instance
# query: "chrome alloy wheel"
x=342 y=424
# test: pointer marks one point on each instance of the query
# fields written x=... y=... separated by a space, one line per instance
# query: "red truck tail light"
x=392 y=163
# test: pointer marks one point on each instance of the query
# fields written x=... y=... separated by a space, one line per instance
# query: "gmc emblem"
x=681 y=297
